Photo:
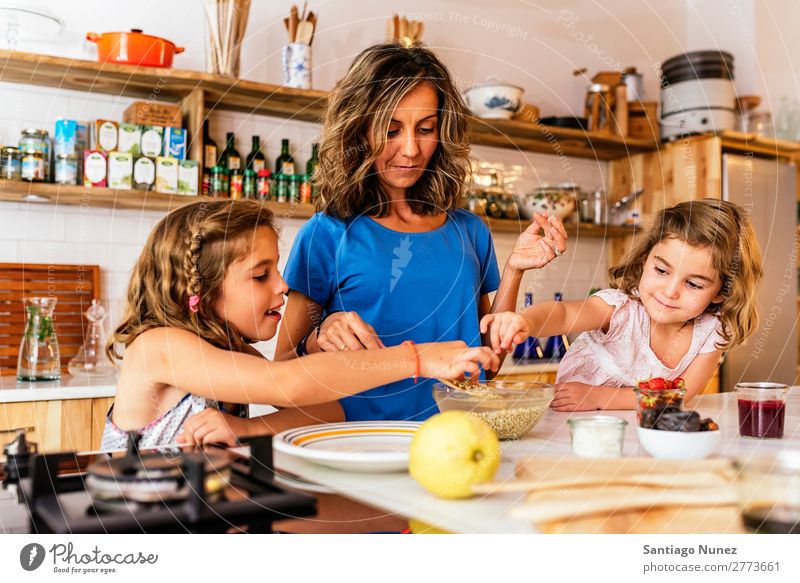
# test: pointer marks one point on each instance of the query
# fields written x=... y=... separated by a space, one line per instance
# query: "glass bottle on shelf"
x=557 y=345
x=91 y=359
x=210 y=157
x=256 y=161
x=284 y=165
x=39 y=357
x=230 y=158
x=529 y=349
x=310 y=166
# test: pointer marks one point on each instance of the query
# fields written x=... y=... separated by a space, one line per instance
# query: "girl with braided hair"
x=205 y=287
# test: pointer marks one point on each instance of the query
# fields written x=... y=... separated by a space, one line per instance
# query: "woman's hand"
x=533 y=251
x=505 y=329
x=211 y=426
x=451 y=360
x=347 y=331
x=577 y=397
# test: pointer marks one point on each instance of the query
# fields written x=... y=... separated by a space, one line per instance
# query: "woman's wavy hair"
x=188 y=253
x=726 y=230
x=363 y=102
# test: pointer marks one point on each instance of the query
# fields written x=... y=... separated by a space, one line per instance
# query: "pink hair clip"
x=194 y=301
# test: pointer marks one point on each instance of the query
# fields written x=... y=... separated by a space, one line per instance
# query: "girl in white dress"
x=686 y=294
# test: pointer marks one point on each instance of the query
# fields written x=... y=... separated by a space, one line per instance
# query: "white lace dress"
x=622 y=356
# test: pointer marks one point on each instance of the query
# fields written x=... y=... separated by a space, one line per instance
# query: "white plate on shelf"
x=356 y=446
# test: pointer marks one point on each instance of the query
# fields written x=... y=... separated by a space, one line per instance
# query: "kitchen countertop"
x=400 y=494
x=14 y=391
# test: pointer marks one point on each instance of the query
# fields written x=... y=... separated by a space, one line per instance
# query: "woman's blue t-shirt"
x=424 y=287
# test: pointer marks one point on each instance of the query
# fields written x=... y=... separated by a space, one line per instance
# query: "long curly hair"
x=362 y=103
x=186 y=254
x=726 y=230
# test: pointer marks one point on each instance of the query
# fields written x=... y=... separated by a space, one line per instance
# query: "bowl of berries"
x=665 y=430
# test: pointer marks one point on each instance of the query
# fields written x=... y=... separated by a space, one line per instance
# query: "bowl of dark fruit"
x=665 y=430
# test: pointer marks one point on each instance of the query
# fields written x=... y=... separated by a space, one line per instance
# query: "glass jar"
x=32 y=166
x=66 y=169
x=219 y=182
x=10 y=165
x=33 y=139
x=769 y=491
x=597 y=436
x=263 y=184
x=39 y=357
x=651 y=403
x=294 y=188
x=762 y=409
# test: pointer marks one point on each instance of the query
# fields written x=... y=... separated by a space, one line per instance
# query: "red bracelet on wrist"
x=413 y=346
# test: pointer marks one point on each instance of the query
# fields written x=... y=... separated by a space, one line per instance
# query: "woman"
x=391 y=256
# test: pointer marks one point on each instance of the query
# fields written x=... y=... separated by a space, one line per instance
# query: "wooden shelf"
x=60 y=194
x=520 y=135
x=574 y=229
x=218 y=92
x=68 y=195
x=744 y=143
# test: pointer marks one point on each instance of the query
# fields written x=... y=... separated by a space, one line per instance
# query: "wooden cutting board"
x=704 y=503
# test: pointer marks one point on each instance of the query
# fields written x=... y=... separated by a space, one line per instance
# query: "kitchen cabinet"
x=56 y=425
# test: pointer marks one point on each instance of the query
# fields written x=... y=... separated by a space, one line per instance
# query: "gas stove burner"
x=217 y=491
x=154 y=478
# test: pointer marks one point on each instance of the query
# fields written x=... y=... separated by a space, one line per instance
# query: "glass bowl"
x=511 y=408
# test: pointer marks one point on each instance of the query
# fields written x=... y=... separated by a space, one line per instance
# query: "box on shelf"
x=104 y=136
x=70 y=138
x=166 y=175
x=643 y=120
x=130 y=138
x=144 y=173
x=151 y=113
x=188 y=177
x=175 y=143
x=95 y=168
x=152 y=141
x=120 y=170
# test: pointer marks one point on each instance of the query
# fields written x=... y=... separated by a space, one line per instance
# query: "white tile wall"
x=38 y=233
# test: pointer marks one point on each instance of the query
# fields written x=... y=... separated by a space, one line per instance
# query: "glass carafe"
x=92 y=360
x=39 y=358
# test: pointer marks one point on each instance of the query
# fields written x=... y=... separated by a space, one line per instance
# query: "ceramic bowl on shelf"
x=559 y=200
x=679 y=445
x=511 y=408
x=494 y=99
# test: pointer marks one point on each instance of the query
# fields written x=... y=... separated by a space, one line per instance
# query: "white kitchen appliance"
x=697 y=94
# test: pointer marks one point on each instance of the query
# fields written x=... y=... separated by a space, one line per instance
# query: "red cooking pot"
x=134 y=48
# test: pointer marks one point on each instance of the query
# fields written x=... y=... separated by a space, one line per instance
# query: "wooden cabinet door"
x=52 y=425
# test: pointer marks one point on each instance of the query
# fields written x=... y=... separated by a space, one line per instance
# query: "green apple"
x=452 y=451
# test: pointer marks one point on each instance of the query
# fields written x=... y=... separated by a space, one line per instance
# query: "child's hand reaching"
x=506 y=329
x=533 y=251
x=450 y=360
x=210 y=426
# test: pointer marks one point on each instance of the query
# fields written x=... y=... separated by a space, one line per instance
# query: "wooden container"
x=643 y=120
x=152 y=113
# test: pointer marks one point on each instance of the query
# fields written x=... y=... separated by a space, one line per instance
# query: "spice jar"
x=219 y=182
x=263 y=184
x=597 y=436
x=249 y=184
x=66 y=169
x=10 y=166
x=32 y=166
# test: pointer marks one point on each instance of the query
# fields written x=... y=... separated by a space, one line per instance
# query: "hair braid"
x=191 y=261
